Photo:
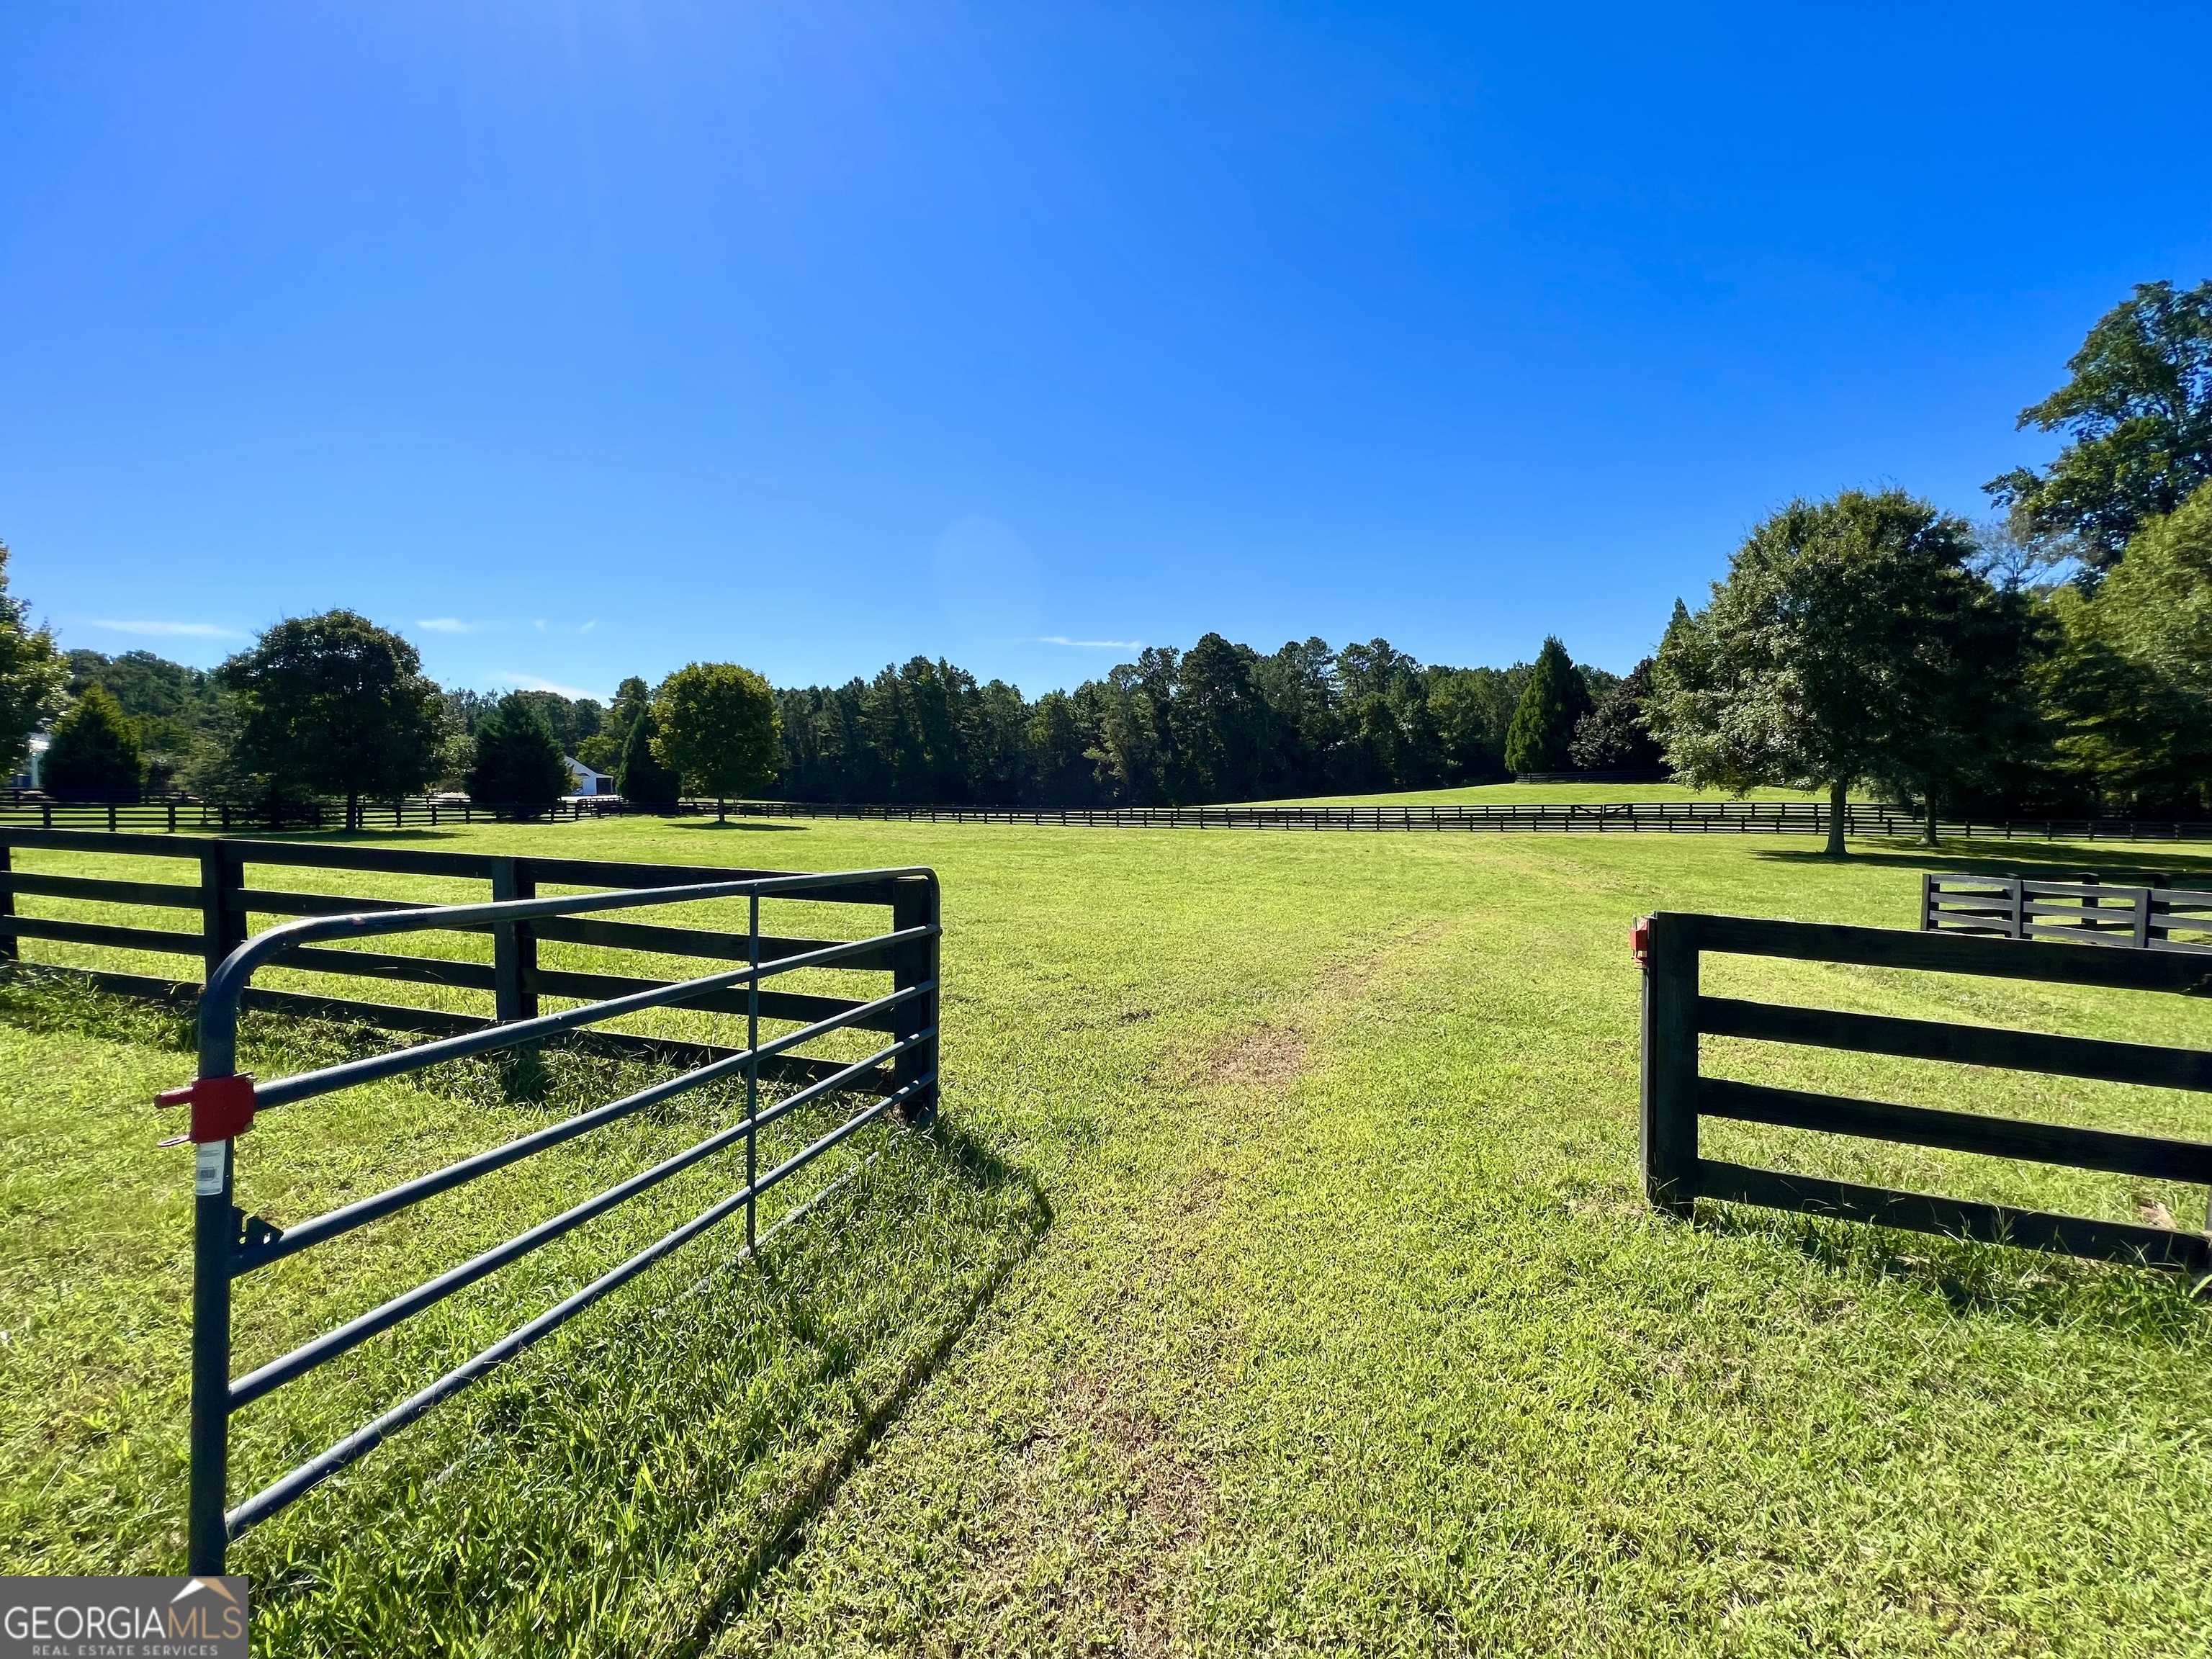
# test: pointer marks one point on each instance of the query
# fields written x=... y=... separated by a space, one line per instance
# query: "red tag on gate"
x=221 y=1107
x=1639 y=942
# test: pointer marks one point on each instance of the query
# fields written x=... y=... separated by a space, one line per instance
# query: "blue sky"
x=581 y=340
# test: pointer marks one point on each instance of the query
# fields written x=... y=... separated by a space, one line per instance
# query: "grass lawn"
x=1278 y=1280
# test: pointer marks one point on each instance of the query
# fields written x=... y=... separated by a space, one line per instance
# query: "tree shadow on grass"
x=2121 y=863
x=1978 y=1280
x=752 y=825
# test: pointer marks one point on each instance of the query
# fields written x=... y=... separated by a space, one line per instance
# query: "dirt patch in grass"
x=1268 y=1058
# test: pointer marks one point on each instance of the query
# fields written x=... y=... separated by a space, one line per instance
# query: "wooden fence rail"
x=1593 y=818
x=222 y=899
x=1676 y=1094
x=2152 y=916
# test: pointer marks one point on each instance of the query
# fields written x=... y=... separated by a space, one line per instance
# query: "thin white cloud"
x=532 y=683
x=450 y=625
x=168 y=630
x=1088 y=644
x=589 y=626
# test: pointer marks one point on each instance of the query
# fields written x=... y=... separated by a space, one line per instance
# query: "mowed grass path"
x=1281 y=1283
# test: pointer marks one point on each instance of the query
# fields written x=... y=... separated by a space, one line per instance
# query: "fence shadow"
x=973 y=1165
x=1978 y=1280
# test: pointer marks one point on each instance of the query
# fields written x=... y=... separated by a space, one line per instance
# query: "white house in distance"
x=588 y=781
x=27 y=775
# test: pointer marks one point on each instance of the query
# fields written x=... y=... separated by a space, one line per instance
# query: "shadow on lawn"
x=1976 y=1280
x=425 y=1559
x=751 y=825
x=976 y=1166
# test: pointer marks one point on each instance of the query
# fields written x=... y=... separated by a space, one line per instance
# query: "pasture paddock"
x=1279 y=1279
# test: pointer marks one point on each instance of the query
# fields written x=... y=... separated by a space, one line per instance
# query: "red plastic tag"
x=1639 y=941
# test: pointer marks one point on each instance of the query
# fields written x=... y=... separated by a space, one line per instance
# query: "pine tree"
x=518 y=759
x=94 y=751
x=1552 y=703
x=642 y=779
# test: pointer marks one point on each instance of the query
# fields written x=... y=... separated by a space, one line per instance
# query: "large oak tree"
x=1851 y=642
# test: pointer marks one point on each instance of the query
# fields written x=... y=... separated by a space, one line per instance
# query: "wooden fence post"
x=914 y=904
x=1670 y=1064
x=222 y=919
x=513 y=945
x=9 y=949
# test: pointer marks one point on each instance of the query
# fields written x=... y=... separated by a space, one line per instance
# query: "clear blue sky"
x=584 y=339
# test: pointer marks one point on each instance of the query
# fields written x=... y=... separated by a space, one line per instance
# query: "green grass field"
x=1277 y=1280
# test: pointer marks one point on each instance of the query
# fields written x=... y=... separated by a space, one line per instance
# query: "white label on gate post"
x=207 y=1180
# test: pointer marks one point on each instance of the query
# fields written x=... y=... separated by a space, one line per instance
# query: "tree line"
x=334 y=706
x=2059 y=659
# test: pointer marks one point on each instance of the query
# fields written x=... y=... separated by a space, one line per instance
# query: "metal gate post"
x=214 y=1237
x=1669 y=952
x=210 y=1423
x=752 y=1066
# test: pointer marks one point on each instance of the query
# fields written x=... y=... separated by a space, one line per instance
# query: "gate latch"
x=221 y=1107
x=1639 y=942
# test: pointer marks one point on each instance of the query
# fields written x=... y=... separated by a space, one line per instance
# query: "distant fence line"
x=1675 y=817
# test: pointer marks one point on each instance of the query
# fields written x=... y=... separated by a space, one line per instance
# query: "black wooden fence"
x=2154 y=915
x=229 y=883
x=1597 y=818
x=1676 y=1094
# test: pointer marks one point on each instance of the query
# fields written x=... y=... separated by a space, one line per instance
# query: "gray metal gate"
x=224 y=1102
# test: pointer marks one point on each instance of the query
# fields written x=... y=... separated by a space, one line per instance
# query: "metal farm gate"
x=900 y=1076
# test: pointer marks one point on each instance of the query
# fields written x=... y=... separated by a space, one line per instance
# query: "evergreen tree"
x=643 y=780
x=169 y=704
x=517 y=762
x=1553 y=702
x=94 y=751
x=603 y=750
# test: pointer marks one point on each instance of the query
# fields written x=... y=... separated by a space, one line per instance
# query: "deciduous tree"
x=2138 y=414
x=334 y=705
x=719 y=730
x=1614 y=737
x=1836 y=652
x=32 y=674
x=2129 y=689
